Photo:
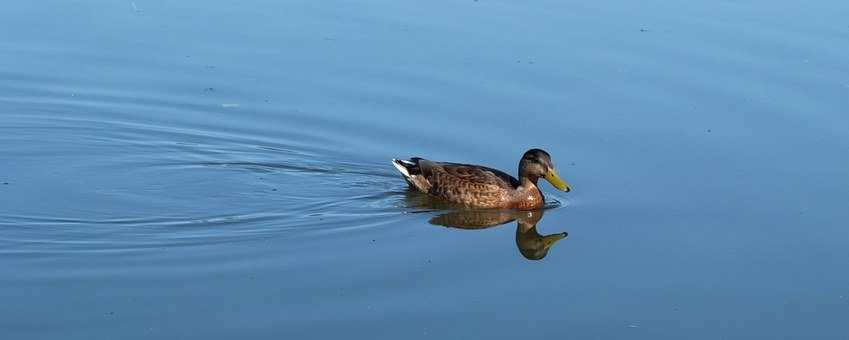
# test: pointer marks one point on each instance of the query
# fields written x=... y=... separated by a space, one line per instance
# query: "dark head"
x=537 y=164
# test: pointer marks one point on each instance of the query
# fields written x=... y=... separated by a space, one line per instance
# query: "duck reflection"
x=532 y=245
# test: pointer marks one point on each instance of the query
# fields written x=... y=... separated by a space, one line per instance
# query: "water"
x=212 y=170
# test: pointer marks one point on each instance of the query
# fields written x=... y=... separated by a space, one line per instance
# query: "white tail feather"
x=401 y=168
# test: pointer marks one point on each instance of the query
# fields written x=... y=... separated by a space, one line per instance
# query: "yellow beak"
x=550 y=240
x=555 y=180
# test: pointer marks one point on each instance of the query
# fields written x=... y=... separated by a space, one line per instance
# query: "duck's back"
x=467 y=184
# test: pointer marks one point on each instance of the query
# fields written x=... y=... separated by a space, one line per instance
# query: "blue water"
x=208 y=170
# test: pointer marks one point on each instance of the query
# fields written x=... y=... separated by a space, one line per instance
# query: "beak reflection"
x=531 y=244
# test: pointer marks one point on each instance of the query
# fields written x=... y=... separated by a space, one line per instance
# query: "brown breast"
x=527 y=199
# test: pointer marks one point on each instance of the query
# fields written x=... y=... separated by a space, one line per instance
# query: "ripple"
x=158 y=184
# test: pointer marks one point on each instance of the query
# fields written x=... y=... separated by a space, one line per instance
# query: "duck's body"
x=482 y=187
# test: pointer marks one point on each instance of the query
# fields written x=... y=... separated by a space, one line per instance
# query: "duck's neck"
x=527 y=182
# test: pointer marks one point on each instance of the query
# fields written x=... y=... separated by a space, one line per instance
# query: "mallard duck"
x=481 y=187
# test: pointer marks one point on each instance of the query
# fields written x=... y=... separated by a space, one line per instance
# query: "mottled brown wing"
x=467 y=184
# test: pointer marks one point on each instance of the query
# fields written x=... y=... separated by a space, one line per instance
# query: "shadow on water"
x=532 y=245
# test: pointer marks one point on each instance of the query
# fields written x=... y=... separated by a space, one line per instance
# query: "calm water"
x=205 y=170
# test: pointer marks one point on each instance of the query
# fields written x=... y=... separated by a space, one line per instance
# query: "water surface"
x=217 y=170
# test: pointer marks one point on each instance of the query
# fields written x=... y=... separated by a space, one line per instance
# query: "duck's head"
x=536 y=164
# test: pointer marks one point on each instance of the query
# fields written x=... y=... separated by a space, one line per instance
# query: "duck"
x=477 y=186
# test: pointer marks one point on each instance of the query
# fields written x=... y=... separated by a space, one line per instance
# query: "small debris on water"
x=708 y=130
x=643 y=30
x=5 y=183
x=229 y=105
x=209 y=89
x=633 y=326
